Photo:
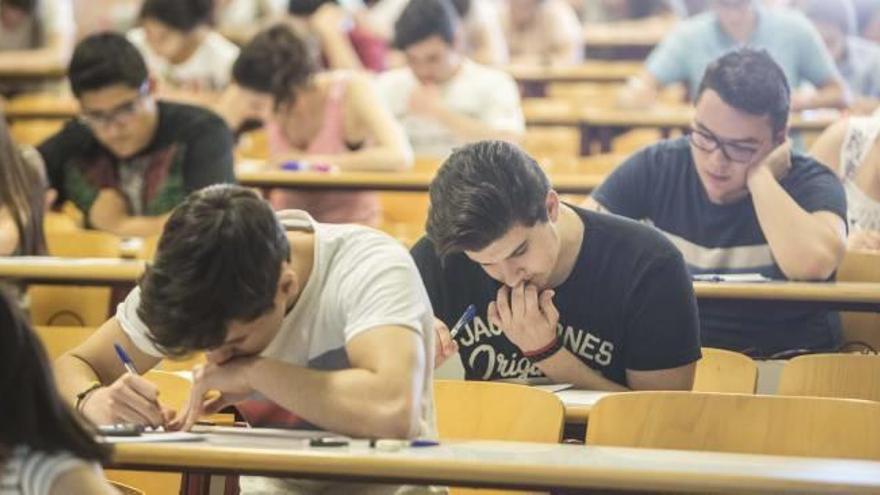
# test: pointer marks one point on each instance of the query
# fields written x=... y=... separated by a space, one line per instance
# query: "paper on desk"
x=155 y=436
x=553 y=387
x=573 y=397
x=731 y=277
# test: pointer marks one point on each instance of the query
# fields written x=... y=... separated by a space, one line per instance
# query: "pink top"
x=325 y=205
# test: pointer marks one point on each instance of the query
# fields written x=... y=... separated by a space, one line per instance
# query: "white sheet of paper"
x=155 y=436
x=553 y=387
x=572 y=397
x=731 y=277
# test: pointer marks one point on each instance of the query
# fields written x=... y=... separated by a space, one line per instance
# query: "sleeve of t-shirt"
x=818 y=190
x=814 y=61
x=625 y=191
x=133 y=326
x=55 y=150
x=40 y=470
x=58 y=19
x=431 y=272
x=667 y=62
x=502 y=110
x=662 y=328
x=381 y=287
x=209 y=156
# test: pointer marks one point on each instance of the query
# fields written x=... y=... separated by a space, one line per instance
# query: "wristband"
x=80 y=397
x=545 y=352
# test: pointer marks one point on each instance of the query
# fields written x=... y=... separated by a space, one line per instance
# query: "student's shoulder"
x=358 y=243
x=73 y=136
x=805 y=170
x=666 y=155
x=218 y=43
x=489 y=77
x=189 y=121
x=628 y=238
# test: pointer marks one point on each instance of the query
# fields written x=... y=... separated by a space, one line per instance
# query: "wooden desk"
x=506 y=465
x=624 y=39
x=567 y=183
x=533 y=79
x=75 y=271
x=841 y=296
x=601 y=124
x=41 y=106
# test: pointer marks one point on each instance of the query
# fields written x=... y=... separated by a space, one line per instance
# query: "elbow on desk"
x=815 y=268
x=396 y=418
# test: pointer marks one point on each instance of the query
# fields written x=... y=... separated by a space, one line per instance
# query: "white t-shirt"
x=244 y=13
x=29 y=472
x=361 y=280
x=209 y=68
x=477 y=91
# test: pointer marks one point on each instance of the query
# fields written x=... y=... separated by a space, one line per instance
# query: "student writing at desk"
x=584 y=298
x=128 y=159
x=734 y=199
x=327 y=323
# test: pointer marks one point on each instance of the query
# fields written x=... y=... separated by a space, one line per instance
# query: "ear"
x=49 y=197
x=552 y=206
x=288 y=283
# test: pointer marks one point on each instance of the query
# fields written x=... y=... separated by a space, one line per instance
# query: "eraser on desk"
x=389 y=444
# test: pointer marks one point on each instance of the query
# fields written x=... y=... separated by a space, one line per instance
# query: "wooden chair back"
x=754 y=424
x=848 y=376
x=860 y=266
x=725 y=371
x=476 y=410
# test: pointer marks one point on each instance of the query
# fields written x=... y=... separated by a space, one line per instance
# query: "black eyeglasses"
x=708 y=142
x=121 y=114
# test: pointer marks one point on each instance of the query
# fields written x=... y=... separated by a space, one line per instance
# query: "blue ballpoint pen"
x=464 y=320
x=126 y=361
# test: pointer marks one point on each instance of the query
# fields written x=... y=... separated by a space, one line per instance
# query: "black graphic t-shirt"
x=627 y=304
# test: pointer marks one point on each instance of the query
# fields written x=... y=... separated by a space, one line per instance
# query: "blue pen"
x=466 y=318
x=126 y=361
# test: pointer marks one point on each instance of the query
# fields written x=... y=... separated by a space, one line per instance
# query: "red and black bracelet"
x=545 y=352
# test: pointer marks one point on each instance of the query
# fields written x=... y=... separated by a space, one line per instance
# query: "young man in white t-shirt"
x=442 y=98
x=302 y=323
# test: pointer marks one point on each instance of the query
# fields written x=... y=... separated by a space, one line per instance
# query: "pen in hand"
x=126 y=360
x=464 y=320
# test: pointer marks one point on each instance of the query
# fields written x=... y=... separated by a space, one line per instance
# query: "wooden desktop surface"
x=506 y=465
x=78 y=271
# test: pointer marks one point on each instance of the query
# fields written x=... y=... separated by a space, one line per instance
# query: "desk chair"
x=740 y=423
x=475 y=410
x=551 y=141
x=860 y=266
x=74 y=305
x=848 y=376
x=725 y=371
x=34 y=131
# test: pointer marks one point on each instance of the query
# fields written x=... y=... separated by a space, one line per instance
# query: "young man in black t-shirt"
x=581 y=297
x=128 y=160
x=734 y=199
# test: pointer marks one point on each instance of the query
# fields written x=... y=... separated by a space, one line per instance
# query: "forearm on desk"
x=805 y=247
x=354 y=401
x=473 y=129
x=73 y=375
x=564 y=367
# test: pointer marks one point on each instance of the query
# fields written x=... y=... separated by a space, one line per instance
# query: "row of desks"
x=511 y=465
x=855 y=296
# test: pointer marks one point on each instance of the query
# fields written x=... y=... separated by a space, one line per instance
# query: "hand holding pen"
x=131 y=398
x=446 y=345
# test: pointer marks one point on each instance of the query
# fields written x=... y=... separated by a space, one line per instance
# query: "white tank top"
x=862 y=210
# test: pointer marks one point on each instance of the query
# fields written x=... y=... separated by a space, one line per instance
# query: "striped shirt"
x=660 y=185
x=28 y=472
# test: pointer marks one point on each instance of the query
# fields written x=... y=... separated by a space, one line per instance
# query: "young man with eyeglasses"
x=128 y=159
x=734 y=199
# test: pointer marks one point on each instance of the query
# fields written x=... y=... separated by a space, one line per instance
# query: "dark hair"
x=32 y=412
x=749 y=80
x=182 y=15
x=105 y=59
x=305 y=7
x=462 y=7
x=275 y=61
x=839 y=13
x=480 y=192
x=26 y=6
x=22 y=192
x=218 y=260
x=422 y=19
